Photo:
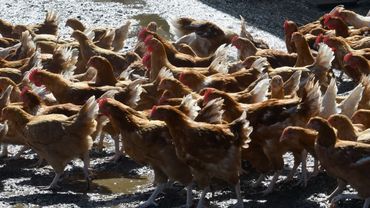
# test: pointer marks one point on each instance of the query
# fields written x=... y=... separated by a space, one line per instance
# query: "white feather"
x=350 y=104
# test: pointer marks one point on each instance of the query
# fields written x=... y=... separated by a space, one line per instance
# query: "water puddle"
x=163 y=26
x=111 y=182
x=120 y=185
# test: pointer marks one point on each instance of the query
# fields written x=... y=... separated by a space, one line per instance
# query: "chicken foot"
x=346 y=196
x=86 y=160
x=118 y=151
x=151 y=200
x=4 y=152
x=239 y=203
x=303 y=178
x=340 y=188
x=189 y=196
x=272 y=183
x=258 y=181
x=366 y=203
x=202 y=197
x=54 y=184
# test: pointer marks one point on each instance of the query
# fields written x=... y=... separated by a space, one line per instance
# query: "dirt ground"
x=125 y=183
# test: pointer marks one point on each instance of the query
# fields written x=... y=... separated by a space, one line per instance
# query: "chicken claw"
x=151 y=200
x=272 y=184
x=343 y=196
x=239 y=204
x=4 y=153
x=54 y=184
x=258 y=181
x=86 y=160
x=202 y=197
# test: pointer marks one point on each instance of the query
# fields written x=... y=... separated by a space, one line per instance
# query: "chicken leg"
x=272 y=183
x=259 y=180
x=4 y=153
x=340 y=188
x=151 y=200
x=202 y=197
x=117 y=150
x=189 y=196
x=345 y=196
x=86 y=160
x=239 y=204
x=366 y=203
x=54 y=183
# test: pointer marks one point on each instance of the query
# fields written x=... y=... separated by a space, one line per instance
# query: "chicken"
x=275 y=58
x=289 y=88
x=304 y=56
x=205 y=36
x=256 y=95
x=140 y=48
x=341 y=29
x=357 y=62
x=105 y=75
x=158 y=60
x=234 y=82
x=218 y=152
x=289 y=28
x=6 y=29
x=15 y=93
x=346 y=107
x=148 y=142
x=64 y=90
x=362 y=117
x=320 y=68
x=63 y=60
x=175 y=89
x=88 y=49
x=106 y=38
x=33 y=105
x=49 y=26
x=269 y=132
x=346 y=160
x=351 y=17
x=58 y=138
x=346 y=130
x=180 y=59
x=341 y=48
x=259 y=43
x=296 y=138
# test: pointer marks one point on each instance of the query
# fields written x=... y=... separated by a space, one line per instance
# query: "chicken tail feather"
x=212 y=112
x=241 y=129
x=350 y=104
x=259 y=92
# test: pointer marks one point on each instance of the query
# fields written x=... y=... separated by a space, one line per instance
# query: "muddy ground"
x=125 y=183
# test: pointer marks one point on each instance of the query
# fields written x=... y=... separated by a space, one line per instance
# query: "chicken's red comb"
x=318 y=39
x=147 y=39
x=147 y=60
x=182 y=77
x=347 y=57
x=326 y=18
x=286 y=24
x=154 y=109
x=102 y=102
x=326 y=39
x=24 y=90
x=163 y=98
x=207 y=93
x=32 y=74
x=234 y=39
x=142 y=33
